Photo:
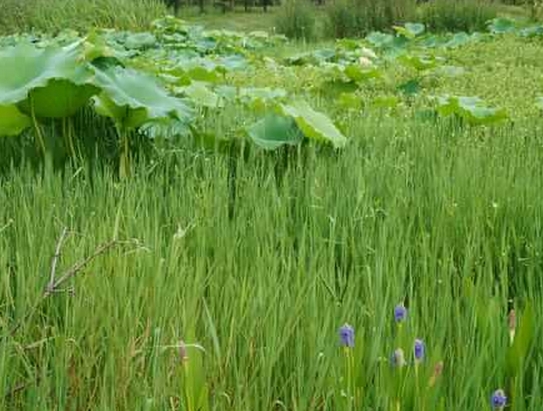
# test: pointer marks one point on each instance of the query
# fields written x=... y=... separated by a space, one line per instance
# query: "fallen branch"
x=56 y=256
x=77 y=267
x=53 y=285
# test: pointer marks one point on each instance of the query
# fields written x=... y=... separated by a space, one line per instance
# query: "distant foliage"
x=296 y=19
x=352 y=18
x=455 y=15
x=56 y=15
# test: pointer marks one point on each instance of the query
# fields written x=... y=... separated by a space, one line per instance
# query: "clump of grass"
x=352 y=18
x=458 y=15
x=296 y=19
x=56 y=15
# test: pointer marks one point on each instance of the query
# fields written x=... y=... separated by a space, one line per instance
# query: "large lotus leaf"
x=274 y=131
x=127 y=95
x=12 y=121
x=139 y=41
x=386 y=41
x=458 y=39
x=166 y=128
x=313 y=124
x=25 y=68
x=200 y=95
x=501 y=25
x=532 y=31
x=410 y=87
x=60 y=98
x=472 y=109
x=419 y=63
x=124 y=116
x=379 y=39
x=356 y=72
x=410 y=30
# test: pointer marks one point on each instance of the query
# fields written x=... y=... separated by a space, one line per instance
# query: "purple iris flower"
x=498 y=400
x=346 y=336
x=419 y=350
x=400 y=313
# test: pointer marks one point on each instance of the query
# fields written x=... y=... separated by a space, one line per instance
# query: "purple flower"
x=346 y=335
x=398 y=358
x=498 y=400
x=419 y=350
x=400 y=313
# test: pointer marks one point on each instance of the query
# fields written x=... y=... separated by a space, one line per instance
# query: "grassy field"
x=218 y=281
x=449 y=222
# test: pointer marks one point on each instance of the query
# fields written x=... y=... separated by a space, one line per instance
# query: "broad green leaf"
x=313 y=124
x=458 y=39
x=201 y=73
x=379 y=39
x=139 y=41
x=12 y=121
x=131 y=98
x=410 y=87
x=274 y=131
x=60 y=98
x=124 y=116
x=334 y=88
x=539 y=102
x=417 y=62
x=501 y=25
x=25 y=69
x=166 y=128
x=533 y=31
x=472 y=109
x=410 y=30
x=357 y=73
x=200 y=95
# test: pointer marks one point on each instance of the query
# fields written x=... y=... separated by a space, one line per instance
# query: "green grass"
x=53 y=16
x=444 y=218
x=260 y=258
x=237 y=20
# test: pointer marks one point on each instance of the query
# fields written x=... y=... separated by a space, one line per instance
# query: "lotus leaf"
x=410 y=87
x=472 y=109
x=12 y=121
x=140 y=41
x=532 y=31
x=132 y=98
x=165 y=128
x=357 y=73
x=274 y=131
x=28 y=71
x=58 y=99
x=419 y=63
x=501 y=25
x=410 y=30
x=313 y=124
x=458 y=39
x=198 y=93
x=539 y=102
